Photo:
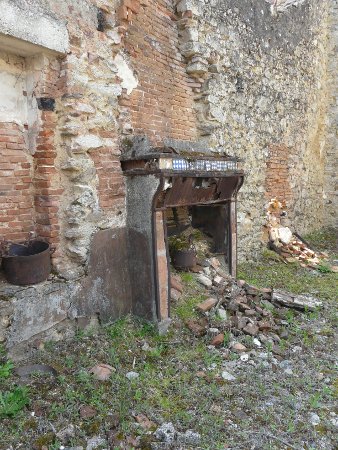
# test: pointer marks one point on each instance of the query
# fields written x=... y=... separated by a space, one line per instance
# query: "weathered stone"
x=198 y=327
x=207 y=304
x=302 y=302
x=96 y=442
x=102 y=372
x=204 y=280
x=264 y=325
x=213 y=332
x=176 y=283
x=218 y=340
x=222 y=314
x=66 y=434
x=218 y=281
x=227 y=376
x=166 y=433
x=132 y=375
x=87 y=412
x=251 y=329
x=238 y=347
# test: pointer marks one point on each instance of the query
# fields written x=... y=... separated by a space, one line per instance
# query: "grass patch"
x=13 y=401
x=271 y=272
x=324 y=240
x=180 y=378
x=186 y=308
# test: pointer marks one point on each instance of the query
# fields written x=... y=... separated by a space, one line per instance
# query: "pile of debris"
x=237 y=308
x=287 y=244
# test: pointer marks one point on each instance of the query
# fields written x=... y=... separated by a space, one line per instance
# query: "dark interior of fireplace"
x=206 y=226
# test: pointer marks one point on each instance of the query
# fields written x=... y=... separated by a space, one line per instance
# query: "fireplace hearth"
x=163 y=183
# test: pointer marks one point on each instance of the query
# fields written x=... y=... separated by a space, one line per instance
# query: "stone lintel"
x=29 y=30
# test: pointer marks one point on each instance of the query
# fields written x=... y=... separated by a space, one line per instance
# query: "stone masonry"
x=80 y=78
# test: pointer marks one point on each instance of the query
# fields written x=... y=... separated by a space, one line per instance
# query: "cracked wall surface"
x=254 y=78
x=261 y=84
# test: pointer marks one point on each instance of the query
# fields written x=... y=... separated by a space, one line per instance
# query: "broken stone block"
x=227 y=376
x=204 y=280
x=218 y=340
x=176 y=283
x=240 y=322
x=214 y=262
x=198 y=327
x=243 y=307
x=238 y=347
x=207 y=304
x=222 y=314
x=264 y=325
x=102 y=371
x=233 y=306
x=251 y=329
x=251 y=290
x=213 y=332
x=166 y=433
x=301 y=302
x=218 y=280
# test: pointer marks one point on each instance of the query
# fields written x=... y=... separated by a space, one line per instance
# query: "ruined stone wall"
x=261 y=68
x=331 y=143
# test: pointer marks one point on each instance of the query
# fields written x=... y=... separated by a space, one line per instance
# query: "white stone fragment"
x=132 y=375
x=204 y=280
x=314 y=419
x=257 y=343
x=285 y=235
x=227 y=376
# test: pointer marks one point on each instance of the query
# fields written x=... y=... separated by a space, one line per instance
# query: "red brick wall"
x=46 y=190
x=46 y=179
x=162 y=104
x=16 y=196
x=277 y=174
x=111 y=187
x=29 y=184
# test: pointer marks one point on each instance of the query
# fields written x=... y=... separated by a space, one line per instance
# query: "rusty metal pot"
x=26 y=264
x=184 y=259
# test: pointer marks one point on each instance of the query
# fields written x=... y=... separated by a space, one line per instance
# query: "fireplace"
x=165 y=187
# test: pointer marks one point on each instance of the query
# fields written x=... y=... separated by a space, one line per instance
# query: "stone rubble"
x=302 y=302
x=236 y=310
x=168 y=435
x=287 y=244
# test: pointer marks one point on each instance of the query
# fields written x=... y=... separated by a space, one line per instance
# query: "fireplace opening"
x=206 y=226
x=177 y=194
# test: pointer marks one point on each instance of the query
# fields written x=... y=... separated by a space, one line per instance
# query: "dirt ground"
x=177 y=391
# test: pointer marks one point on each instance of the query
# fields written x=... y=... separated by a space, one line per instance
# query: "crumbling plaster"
x=13 y=105
x=258 y=70
x=30 y=21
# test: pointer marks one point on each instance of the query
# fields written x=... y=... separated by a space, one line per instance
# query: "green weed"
x=11 y=402
x=6 y=369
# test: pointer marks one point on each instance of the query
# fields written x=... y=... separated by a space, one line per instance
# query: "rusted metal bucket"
x=184 y=259
x=26 y=264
